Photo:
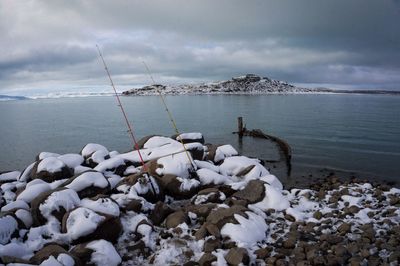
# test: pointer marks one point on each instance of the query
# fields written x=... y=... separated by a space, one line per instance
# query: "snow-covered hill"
x=248 y=84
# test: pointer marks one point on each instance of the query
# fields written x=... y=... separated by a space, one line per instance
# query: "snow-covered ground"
x=209 y=206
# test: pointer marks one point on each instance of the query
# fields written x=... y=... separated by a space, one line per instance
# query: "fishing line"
x=170 y=116
x=128 y=124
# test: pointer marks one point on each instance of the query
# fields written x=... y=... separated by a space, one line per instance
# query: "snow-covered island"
x=247 y=84
x=211 y=206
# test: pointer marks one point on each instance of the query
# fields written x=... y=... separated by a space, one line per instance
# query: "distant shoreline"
x=249 y=84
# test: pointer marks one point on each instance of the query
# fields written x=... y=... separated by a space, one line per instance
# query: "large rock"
x=145 y=186
x=9 y=227
x=53 y=203
x=221 y=216
x=237 y=256
x=50 y=169
x=98 y=252
x=83 y=225
x=189 y=137
x=160 y=212
x=89 y=184
x=176 y=218
x=252 y=193
x=208 y=195
x=178 y=188
x=94 y=154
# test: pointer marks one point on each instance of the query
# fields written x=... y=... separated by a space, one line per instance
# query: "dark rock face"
x=252 y=193
x=62 y=173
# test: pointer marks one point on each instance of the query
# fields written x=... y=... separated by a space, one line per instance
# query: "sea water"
x=349 y=132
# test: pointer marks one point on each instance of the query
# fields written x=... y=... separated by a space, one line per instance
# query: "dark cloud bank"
x=341 y=43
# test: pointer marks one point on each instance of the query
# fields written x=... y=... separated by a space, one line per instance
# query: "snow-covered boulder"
x=208 y=195
x=53 y=205
x=98 y=252
x=189 y=137
x=239 y=232
x=177 y=187
x=9 y=228
x=83 y=224
x=89 y=184
x=9 y=176
x=50 y=169
x=102 y=204
x=145 y=186
x=94 y=154
x=217 y=153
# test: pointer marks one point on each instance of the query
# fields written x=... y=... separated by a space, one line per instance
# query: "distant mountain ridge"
x=247 y=84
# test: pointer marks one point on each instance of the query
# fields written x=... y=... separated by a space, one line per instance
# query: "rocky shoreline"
x=214 y=206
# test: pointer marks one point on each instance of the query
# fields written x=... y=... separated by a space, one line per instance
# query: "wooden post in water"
x=240 y=126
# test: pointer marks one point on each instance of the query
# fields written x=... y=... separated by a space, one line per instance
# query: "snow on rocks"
x=83 y=224
x=53 y=204
x=225 y=208
x=50 y=169
x=89 y=184
x=98 y=252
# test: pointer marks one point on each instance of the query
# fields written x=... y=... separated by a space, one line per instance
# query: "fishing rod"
x=170 y=117
x=128 y=124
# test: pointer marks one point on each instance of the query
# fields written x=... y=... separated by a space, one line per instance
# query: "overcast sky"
x=338 y=43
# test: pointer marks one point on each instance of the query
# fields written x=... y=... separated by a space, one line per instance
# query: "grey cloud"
x=312 y=41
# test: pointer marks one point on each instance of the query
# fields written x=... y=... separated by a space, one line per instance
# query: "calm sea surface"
x=354 y=133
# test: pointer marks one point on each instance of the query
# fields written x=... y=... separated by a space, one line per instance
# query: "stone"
x=211 y=244
x=201 y=210
x=171 y=186
x=160 y=212
x=207 y=259
x=317 y=215
x=344 y=228
x=88 y=189
x=252 y=193
x=262 y=253
x=146 y=186
x=51 y=250
x=176 y=218
x=290 y=243
x=109 y=229
x=201 y=233
x=208 y=195
x=62 y=173
x=221 y=216
x=133 y=205
x=236 y=256
x=58 y=210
